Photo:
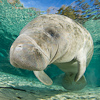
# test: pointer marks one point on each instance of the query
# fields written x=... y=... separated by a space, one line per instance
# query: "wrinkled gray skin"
x=54 y=39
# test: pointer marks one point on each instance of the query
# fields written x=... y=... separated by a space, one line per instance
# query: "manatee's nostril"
x=19 y=47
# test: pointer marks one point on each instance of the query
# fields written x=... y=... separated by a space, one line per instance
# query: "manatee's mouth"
x=21 y=66
x=14 y=63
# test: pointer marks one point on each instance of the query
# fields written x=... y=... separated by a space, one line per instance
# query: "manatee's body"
x=54 y=39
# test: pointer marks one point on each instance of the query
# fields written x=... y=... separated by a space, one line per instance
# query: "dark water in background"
x=13 y=17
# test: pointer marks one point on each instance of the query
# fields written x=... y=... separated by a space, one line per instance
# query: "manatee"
x=54 y=39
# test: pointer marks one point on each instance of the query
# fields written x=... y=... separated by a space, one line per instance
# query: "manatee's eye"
x=51 y=32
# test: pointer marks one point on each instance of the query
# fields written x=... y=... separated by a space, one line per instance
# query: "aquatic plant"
x=81 y=10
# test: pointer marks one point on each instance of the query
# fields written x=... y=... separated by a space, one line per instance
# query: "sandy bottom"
x=23 y=88
x=44 y=94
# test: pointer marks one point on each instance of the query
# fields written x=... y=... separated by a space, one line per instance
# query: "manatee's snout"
x=25 y=54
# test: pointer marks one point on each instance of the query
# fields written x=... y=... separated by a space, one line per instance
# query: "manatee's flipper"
x=69 y=83
x=81 y=65
x=43 y=77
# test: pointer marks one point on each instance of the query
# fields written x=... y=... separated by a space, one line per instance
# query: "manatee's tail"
x=69 y=83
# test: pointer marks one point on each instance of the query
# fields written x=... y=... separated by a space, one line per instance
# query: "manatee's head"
x=26 y=54
x=41 y=42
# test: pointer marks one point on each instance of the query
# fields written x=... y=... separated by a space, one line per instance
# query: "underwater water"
x=16 y=84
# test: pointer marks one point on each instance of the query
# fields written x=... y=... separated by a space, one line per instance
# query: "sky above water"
x=45 y=4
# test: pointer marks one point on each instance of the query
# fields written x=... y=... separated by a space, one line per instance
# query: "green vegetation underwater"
x=20 y=84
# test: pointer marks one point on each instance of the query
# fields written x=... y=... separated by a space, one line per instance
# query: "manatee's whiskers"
x=33 y=42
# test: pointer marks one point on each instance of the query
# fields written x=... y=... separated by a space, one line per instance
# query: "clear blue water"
x=13 y=17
